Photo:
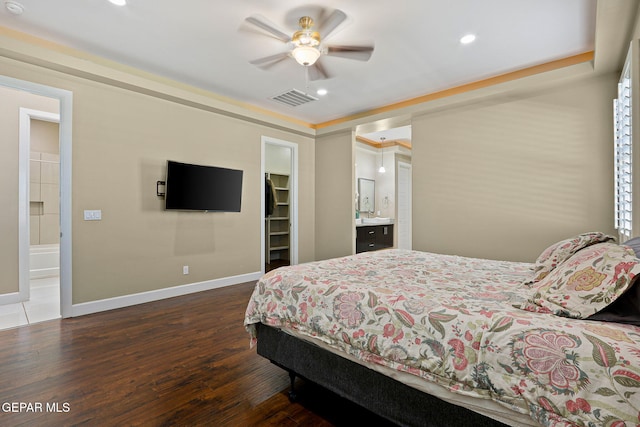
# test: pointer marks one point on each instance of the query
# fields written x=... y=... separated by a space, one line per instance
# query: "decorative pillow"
x=555 y=254
x=586 y=283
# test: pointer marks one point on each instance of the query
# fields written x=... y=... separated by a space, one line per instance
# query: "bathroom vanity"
x=374 y=235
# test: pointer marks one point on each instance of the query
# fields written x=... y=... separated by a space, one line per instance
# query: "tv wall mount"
x=160 y=188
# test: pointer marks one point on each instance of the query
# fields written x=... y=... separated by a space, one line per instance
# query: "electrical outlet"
x=185 y=269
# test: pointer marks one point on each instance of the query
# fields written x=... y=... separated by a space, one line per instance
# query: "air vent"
x=294 y=97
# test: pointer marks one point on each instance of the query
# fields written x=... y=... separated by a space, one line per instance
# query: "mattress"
x=450 y=326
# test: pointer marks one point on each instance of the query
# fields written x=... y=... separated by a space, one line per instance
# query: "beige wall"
x=121 y=142
x=11 y=101
x=502 y=178
x=335 y=206
x=506 y=177
x=45 y=136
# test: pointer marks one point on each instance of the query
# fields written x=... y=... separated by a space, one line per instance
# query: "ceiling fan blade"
x=336 y=18
x=269 y=61
x=317 y=72
x=359 y=53
x=262 y=22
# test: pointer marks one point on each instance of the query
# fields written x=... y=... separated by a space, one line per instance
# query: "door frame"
x=65 y=99
x=24 y=190
x=401 y=164
x=293 y=199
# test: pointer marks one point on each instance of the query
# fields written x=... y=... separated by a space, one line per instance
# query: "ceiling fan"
x=306 y=45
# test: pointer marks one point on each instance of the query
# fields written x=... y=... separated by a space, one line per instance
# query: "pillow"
x=555 y=254
x=634 y=244
x=625 y=309
x=586 y=283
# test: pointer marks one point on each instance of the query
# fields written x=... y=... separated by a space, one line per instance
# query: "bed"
x=431 y=339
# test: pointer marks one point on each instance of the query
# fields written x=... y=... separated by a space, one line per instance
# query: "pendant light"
x=382 y=169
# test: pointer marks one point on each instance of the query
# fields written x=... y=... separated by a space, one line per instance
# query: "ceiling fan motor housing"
x=306 y=37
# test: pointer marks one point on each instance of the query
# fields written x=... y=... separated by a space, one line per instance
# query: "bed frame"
x=384 y=396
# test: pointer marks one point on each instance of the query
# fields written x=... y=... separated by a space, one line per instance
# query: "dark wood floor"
x=276 y=263
x=178 y=362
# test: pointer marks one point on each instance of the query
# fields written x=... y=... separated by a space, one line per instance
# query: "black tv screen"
x=202 y=188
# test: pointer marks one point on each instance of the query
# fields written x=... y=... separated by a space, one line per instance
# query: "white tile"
x=42 y=311
x=45 y=294
x=44 y=299
x=43 y=304
x=45 y=282
x=12 y=315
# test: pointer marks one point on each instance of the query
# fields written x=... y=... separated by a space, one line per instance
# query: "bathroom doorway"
x=383 y=155
x=49 y=109
x=279 y=203
x=39 y=139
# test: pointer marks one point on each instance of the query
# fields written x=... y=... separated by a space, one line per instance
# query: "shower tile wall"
x=45 y=199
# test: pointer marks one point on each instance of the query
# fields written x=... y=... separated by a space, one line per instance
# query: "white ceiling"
x=207 y=44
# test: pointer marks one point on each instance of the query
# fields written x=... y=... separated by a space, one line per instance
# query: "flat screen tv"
x=202 y=188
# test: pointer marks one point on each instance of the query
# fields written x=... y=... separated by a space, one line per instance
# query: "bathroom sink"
x=376 y=220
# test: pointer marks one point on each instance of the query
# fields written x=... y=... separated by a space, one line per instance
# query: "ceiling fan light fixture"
x=305 y=55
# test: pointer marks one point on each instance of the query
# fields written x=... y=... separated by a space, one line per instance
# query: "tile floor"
x=44 y=304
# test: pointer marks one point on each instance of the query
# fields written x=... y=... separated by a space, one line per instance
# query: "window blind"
x=627 y=147
x=623 y=171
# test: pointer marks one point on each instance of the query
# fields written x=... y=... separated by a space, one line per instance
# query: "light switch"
x=92 y=215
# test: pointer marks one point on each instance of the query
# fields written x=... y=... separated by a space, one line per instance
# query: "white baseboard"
x=11 y=298
x=143 y=297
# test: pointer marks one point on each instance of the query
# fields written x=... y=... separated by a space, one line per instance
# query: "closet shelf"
x=277 y=230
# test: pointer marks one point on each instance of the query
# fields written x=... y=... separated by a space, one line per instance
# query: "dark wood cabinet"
x=374 y=237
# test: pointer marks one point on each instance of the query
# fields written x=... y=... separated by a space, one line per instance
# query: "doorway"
x=63 y=99
x=39 y=160
x=279 y=216
x=383 y=155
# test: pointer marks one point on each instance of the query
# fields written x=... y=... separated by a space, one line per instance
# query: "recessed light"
x=469 y=38
x=119 y=2
x=321 y=92
x=14 y=7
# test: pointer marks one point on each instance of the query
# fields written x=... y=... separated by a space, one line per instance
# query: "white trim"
x=159 y=294
x=406 y=166
x=12 y=298
x=293 y=194
x=66 y=106
x=24 y=166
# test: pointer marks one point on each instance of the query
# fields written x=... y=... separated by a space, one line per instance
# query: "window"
x=627 y=149
x=622 y=157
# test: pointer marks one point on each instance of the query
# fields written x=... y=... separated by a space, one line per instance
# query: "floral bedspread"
x=451 y=320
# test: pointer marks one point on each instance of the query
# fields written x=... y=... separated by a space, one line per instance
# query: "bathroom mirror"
x=366 y=195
